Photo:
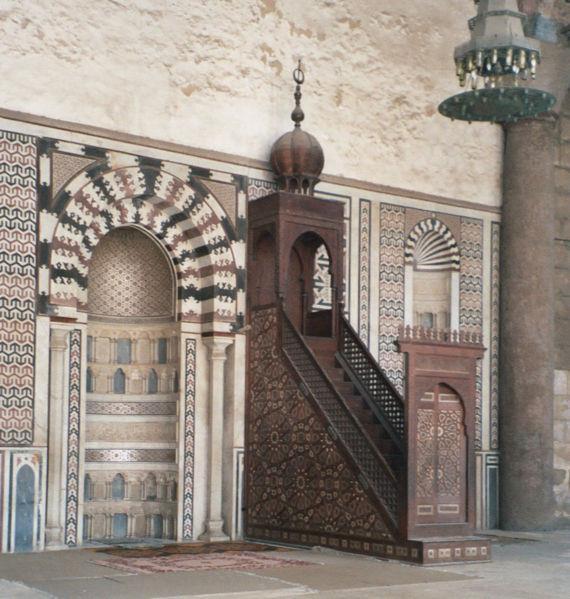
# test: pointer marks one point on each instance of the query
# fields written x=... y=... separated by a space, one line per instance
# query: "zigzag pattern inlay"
x=181 y=214
x=189 y=401
x=73 y=416
x=471 y=300
x=364 y=277
x=494 y=346
x=471 y=278
x=392 y=290
x=17 y=287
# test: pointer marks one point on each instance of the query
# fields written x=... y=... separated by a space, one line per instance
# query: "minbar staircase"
x=334 y=455
x=357 y=396
x=368 y=420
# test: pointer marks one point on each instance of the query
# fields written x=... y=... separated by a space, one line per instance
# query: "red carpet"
x=243 y=560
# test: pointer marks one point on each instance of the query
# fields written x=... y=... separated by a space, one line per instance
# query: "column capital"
x=217 y=346
x=546 y=118
x=59 y=338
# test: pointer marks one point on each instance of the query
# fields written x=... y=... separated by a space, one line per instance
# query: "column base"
x=54 y=537
x=214 y=532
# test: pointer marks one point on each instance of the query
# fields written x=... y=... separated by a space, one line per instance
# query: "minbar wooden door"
x=441 y=467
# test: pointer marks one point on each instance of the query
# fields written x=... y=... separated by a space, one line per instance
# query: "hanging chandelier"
x=496 y=64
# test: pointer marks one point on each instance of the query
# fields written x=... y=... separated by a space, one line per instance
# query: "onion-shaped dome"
x=297 y=157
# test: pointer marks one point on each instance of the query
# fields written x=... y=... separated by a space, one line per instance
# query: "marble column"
x=527 y=326
x=56 y=482
x=217 y=356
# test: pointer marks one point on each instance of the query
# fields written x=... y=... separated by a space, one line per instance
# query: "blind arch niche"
x=432 y=266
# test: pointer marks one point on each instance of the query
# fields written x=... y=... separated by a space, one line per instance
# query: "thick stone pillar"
x=56 y=442
x=527 y=326
x=217 y=355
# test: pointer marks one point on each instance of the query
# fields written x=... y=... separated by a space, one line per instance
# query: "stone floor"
x=536 y=566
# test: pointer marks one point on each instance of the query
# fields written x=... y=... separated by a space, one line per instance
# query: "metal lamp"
x=495 y=64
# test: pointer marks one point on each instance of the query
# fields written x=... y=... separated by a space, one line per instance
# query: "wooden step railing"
x=374 y=471
x=373 y=385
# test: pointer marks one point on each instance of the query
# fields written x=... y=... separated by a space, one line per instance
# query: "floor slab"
x=536 y=566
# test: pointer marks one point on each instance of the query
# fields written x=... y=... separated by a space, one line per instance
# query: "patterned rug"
x=188 y=549
x=243 y=560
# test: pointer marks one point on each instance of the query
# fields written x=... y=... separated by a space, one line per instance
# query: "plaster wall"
x=216 y=74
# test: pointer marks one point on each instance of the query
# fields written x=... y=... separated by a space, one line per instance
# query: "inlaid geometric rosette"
x=297 y=479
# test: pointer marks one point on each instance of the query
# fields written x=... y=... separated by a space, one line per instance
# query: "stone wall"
x=562 y=320
x=562 y=443
x=562 y=241
x=216 y=74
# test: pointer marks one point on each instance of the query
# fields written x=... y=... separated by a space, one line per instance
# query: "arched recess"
x=203 y=250
x=25 y=505
x=432 y=265
x=131 y=301
x=181 y=215
x=301 y=301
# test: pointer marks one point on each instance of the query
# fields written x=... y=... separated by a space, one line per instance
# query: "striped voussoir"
x=432 y=246
x=181 y=214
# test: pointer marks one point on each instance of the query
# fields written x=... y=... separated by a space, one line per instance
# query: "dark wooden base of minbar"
x=423 y=552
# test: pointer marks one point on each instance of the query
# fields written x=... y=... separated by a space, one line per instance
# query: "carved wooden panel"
x=297 y=479
x=441 y=467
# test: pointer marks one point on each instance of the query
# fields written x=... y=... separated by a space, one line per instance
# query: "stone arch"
x=432 y=246
x=180 y=214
